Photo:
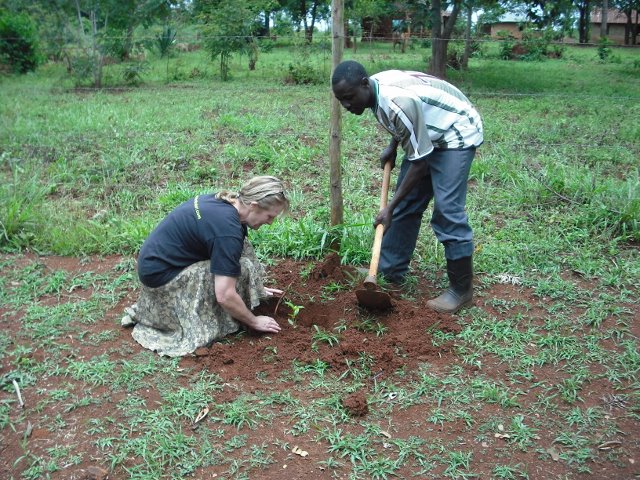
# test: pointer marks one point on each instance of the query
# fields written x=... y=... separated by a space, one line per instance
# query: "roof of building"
x=613 y=16
x=511 y=17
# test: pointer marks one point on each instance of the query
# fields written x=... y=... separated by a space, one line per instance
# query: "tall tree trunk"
x=308 y=30
x=128 y=43
x=406 y=35
x=603 y=25
x=96 y=58
x=467 y=39
x=440 y=37
x=80 y=26
x=584 y=9
x=438 y=66
x=347 y=37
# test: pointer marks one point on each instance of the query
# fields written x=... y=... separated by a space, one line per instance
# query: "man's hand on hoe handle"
x=389 y=154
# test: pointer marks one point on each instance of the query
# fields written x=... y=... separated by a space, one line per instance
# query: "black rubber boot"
x=460 y=291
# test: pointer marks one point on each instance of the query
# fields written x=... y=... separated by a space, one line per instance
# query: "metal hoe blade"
x=372 y=298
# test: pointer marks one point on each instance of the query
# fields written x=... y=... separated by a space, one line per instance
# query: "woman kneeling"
x=199 y=273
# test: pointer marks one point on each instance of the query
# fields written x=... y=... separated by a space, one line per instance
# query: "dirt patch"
x=397 y=338
x=324 y=328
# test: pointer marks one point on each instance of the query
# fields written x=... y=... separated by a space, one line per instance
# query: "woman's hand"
x=273 y=292
x=265 y=324
x=228 y=298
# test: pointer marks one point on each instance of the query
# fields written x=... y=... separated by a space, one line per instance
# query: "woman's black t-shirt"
x=201 y=228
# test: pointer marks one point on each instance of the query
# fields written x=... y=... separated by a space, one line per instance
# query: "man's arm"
x=415 y=174
x=389 y=153
x=228 y=298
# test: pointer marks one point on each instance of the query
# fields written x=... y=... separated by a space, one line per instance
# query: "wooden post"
x=335 y=170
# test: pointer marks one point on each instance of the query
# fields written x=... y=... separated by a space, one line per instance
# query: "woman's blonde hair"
x=265 y=190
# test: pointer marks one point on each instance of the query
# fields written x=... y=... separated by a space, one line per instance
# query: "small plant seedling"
x=295 y=311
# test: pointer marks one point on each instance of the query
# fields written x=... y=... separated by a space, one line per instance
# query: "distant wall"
x=615 y=33
x=510 y=27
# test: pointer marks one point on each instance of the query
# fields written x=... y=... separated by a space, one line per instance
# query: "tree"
x=99 y=27
x=469 y=7
x=356 y=10
x=555 y=14
x=603 y=19
x=127 y=15
x=415 y=15
x=51 y=21
x=467 y=35
x=230 y=27
x=441 y=34
x=307 y=12
x=584 y=20
x=631 y=9
x=19 y=45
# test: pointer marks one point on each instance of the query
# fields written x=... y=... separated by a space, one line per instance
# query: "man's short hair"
x=350 y=71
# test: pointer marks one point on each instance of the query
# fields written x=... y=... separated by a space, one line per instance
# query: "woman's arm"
x=228 y=298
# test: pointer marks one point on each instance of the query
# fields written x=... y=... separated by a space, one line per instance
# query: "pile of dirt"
x=325 y=302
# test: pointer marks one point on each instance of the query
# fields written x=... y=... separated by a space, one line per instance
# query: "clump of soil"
x=356 y=404
x=331 y=268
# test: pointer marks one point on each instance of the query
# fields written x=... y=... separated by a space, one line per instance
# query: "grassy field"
x=555 y=205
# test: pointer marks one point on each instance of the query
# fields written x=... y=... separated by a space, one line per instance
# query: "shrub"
x=536 y=44
x=266 y=44
x=303 y=73
x=19 y=42
x=455 y=54
x=604 y=49
x=85 y=69
x=557 y=50
x=506 y=45
x=132 y=73
x=165 y=41
x=114 y=44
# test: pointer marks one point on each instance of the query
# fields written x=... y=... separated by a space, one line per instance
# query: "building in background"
x=618 y=26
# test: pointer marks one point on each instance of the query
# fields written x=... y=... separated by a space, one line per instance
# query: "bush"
x=455 y=54
x=535 y=45
x=85 y=69
x=165 y=41
x=506 y=45
x=604 y=49
x=19 y=42
x=132 y=74
x=303 y=73
x=266 y=44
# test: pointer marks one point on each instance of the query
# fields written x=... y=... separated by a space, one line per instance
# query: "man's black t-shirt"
x=199 y=229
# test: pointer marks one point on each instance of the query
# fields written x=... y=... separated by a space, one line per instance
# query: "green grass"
x=554 y=201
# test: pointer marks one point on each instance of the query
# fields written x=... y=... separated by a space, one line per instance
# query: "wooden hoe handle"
x=370 y=281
